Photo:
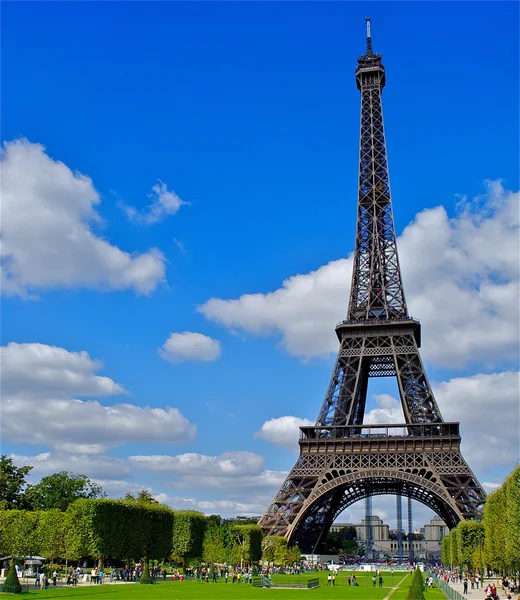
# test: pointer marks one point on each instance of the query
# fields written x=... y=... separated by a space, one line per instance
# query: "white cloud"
x=232 y=472
x=488 y=408
x=490 y=486
x=189 y=346
x=47 y=238
x=457 y=272
x=229 y=464
x=164 y=202
x=283 y=431
x=92 y=466
x=39 y=383
x=388 y=411
x=44 y=371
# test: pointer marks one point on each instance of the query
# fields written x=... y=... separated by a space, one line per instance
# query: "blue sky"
x=250 y=114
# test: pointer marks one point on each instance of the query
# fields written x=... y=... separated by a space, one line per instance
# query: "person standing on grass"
x=374 y=581
x=380 y=580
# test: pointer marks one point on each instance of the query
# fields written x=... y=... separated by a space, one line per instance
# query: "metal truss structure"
x=341 y=459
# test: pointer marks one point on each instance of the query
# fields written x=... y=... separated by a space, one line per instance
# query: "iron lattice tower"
x=341 y=459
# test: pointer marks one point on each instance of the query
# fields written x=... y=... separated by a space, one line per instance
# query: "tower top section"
x=370 y=63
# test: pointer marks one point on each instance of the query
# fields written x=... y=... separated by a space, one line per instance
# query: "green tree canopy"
x=512 y=517
x=52 y=534
x=119 y=529
x=247 y=543
x=214 y=547
x=12 y=483
x=19 y=533
x=143 y=497
x=188 y=534
x=60 y=490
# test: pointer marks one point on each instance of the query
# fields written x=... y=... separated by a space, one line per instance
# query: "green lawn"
x=186 y=590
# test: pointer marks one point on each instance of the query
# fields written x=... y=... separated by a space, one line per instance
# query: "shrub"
x=11 y=583
x=417 y=588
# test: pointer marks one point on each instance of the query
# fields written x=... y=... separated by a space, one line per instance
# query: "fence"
x=447 y=589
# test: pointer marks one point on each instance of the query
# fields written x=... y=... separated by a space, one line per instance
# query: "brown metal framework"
x=341 y=460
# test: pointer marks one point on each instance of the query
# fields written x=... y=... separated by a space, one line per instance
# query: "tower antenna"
x=368 y=20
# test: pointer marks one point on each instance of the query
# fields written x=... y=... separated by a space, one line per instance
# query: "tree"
x=143 y=497
x=281 y=552
x=19 y=533
x=343 y=541
x=11 y=584
x=214 y=545
x=495 y=529
x=188 y=534
x=52 y=534
x=60 y=490
x=446 y=550
x=12 y=483
x=120 y=529
x=268 y=547
x=512 y=498
x=247 y=543
x=471 y=538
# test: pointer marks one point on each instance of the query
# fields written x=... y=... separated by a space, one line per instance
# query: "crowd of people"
x=509 y=586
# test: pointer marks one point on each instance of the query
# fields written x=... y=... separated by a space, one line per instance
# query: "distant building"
x=427 y=549
x=380 y=530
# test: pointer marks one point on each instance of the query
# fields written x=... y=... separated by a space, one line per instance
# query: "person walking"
x=465 y=585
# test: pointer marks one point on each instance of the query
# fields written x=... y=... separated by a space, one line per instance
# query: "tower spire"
x=368 y=20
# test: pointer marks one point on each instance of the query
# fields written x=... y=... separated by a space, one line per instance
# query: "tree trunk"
x=145 y=577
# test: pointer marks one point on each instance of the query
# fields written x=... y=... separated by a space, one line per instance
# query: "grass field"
x=186 y=590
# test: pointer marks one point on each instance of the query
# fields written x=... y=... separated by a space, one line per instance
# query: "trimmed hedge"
x=417 y=588
x=120 y=529
x=11 y=583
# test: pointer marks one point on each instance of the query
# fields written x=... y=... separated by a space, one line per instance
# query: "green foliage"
x=446 y=550
x=215 y=547
x=52 y=534
x=119 y=529
x=294 y=555
x=11 y=584
x=495 y=529
x=12 y=484
x=512 y=501
x=275 y=550
x=143 y=497
x=281 y=552
x=417 y=588
x=188 y=534
x=247 y=543
x=471 y=541
x=268 y=547
x=19 y=532
x=342 y=541
x=60 y=490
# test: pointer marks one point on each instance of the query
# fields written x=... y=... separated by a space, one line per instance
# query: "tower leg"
x=410 y=532
x=399 y=510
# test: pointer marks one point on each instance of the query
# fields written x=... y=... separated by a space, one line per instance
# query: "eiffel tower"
x=341 y=459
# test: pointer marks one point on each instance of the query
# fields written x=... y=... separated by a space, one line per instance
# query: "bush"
x=417 y=588
x=11 y=583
